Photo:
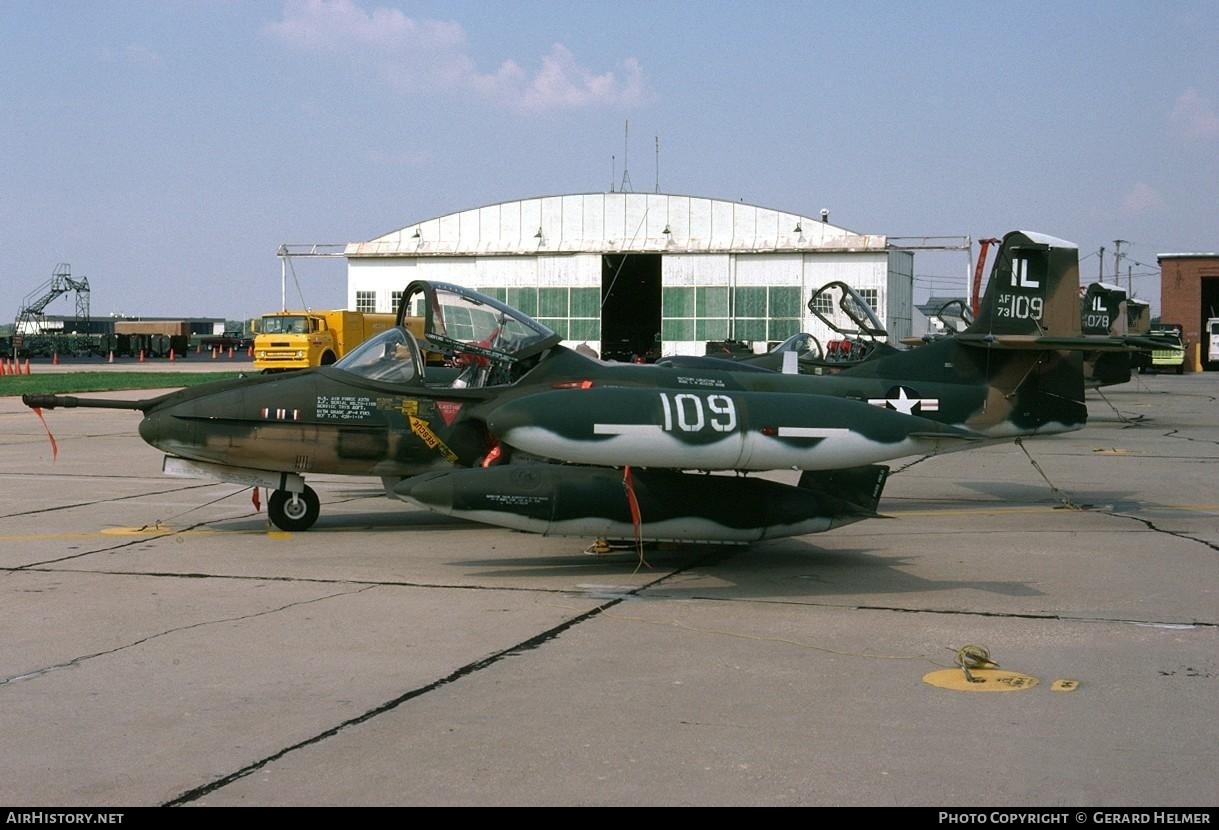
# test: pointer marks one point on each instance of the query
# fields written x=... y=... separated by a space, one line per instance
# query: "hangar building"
x=1189 y=296
x=641 y=273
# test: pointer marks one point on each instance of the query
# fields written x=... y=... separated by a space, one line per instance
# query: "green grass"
x=69 y=382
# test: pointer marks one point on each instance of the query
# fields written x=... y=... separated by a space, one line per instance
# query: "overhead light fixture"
x=538 y=235
x=667 y=231
x=798 y=229
x=416 y=234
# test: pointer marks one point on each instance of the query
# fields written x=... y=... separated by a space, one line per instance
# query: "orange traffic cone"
x=141 y=355
x=230 y=352
x=111 y=360
x=215 y=353
x=198 y=348
x=249 y=352
x=54 y=358
x=171 y=355
x=27 y=365
x=3 y=367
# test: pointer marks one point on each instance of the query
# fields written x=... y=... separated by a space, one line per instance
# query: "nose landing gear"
x=294 y=511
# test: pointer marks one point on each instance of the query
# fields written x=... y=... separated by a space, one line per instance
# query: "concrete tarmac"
x=162 y=644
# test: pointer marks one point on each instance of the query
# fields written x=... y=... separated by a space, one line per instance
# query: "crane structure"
x=30 y=316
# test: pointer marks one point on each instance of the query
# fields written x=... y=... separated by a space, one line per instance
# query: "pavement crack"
x=320 y=580
x=530 y=644
x=76 y=661
x=1150 y=525
x=111 y=549
x=1175 y=433
x=75 y=505
x=952 y=612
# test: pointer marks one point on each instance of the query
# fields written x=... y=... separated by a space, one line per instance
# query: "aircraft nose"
x=152 y=429
x=165 y=432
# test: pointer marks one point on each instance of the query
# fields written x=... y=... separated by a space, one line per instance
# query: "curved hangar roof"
x=614 y=222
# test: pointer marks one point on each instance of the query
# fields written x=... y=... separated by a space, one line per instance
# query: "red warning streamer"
x=628 y=484
x=54 y=446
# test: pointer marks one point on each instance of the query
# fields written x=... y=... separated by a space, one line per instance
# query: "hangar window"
x=586 y=302
x=366 y=301
x=766 y=313
x=524 y=300
x=677 y=302
x=552 y=302
x=712 y=301
x=585 y=329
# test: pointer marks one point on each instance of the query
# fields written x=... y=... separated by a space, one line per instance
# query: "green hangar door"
x=630 y=307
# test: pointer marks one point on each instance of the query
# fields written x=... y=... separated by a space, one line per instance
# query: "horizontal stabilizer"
x=1039 y=342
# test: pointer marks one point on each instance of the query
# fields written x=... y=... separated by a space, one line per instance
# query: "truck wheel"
x=293 y=512
x=327 y=358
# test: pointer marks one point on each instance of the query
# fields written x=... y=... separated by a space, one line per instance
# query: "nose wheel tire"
x=294 y=511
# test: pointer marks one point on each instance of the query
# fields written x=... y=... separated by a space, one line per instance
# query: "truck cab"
x=1170 y=355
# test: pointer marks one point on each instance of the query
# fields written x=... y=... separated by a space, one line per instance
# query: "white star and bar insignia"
x=905 y=400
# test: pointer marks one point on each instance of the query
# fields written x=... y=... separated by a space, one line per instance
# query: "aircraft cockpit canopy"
x=842 y=309
x=954 y=317
x=392 y=356
x=803 y=344
x=460 y=321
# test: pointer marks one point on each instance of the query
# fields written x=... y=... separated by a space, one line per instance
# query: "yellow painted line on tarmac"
x=137 y=531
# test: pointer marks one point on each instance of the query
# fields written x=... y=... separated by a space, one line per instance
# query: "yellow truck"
x=300 y=339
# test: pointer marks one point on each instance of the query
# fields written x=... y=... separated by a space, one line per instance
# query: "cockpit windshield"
x=846 y=312
x=390 y=357
x=954 y=317
x=803 y=344
x=458 y=320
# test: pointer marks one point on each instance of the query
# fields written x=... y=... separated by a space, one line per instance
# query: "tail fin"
x=1104 y=310
x=1033 y=289
x=1018 y=368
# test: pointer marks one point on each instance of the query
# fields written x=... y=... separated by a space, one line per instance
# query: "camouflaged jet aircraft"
x=521 y=432
x=1106 y=310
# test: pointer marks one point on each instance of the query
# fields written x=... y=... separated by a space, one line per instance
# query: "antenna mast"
x=627 y=187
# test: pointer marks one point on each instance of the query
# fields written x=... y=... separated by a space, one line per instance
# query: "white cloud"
x=141 y=55
x=417 y=56
x=1142 y=198
x=1194 y=117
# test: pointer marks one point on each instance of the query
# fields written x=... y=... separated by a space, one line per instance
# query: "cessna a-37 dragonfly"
x=521 y=432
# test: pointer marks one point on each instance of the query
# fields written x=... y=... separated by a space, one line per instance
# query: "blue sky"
x=166 y=149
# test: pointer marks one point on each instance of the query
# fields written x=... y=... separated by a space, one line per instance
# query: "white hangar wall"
x=726 y=269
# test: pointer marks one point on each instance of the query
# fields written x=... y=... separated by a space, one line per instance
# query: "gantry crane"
x=29 y=317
